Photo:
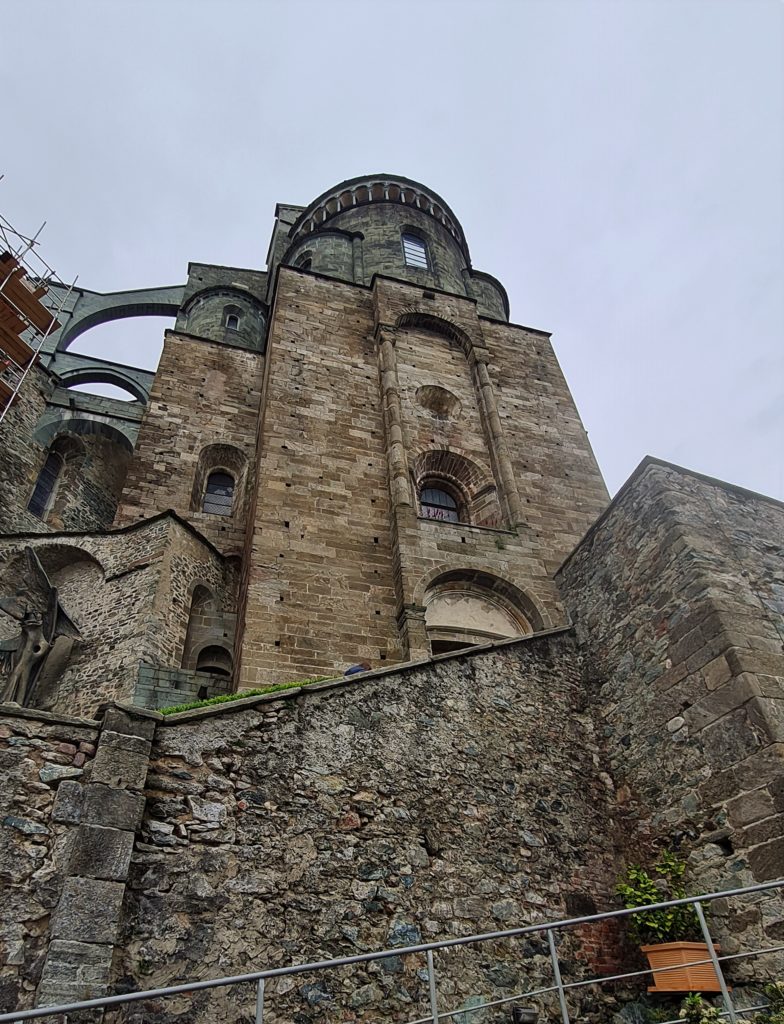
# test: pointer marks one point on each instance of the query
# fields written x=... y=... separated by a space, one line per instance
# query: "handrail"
x=428 y=948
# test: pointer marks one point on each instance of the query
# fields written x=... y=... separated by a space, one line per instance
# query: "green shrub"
x=225 y=698
x=639 y=888
x=774 y=1013
x=695 y=1010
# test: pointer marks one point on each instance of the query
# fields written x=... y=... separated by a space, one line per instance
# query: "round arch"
x=46 y=433
x=71 y=378
x=509 y=593
x=121 y=309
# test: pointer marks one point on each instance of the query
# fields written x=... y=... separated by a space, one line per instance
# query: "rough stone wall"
x=129 y=592
x=204 y=393
x=561 y=487
x=37 y=753
x=437 y=801
x=677 y=597
x=90 y=487
x=21 y=455
x=319 y=572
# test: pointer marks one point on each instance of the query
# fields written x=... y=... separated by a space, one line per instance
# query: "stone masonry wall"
x=129 y=592
x=320 y=590
x=41 y=757
x=205 y=393
x=21 y=455
x=435 y=801
x=677 y=595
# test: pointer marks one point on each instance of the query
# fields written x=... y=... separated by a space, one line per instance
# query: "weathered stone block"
x=766 y=860
x=74 y=971
x=98 y=852
x=120 y=721
x=119 y=768
x=113 y=808
x=88 y=911
x=749 y=807
x=730 y=740
x=67 y=808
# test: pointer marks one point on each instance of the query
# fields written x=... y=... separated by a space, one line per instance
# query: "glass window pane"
x=45 y=484
x=219 y=494
x=415 y=251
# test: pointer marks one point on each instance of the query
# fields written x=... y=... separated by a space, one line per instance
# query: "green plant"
x=639 y=888
x=774 y=1013
x=224 y=698
x=695 y=1010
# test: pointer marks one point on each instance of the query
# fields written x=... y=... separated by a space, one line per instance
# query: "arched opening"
x=442 y=501
x=219 y=485
x=304 y=261
x=65 y=453
x=464 y=608
x=451 y=488
x=132 y=339
x=231 y=317
x=107 y=390
x=218 y=494
x=214 y=659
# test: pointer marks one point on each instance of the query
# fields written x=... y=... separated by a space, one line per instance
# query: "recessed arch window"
x=214 y=659
x=232 y=316
x=304 y=261
x=415 y=251
x=437 y=503
x=219 y=494
x=46 y=485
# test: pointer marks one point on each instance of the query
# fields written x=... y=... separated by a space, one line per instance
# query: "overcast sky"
x=618 y=164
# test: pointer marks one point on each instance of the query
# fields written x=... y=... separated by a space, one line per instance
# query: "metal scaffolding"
x=26 y=321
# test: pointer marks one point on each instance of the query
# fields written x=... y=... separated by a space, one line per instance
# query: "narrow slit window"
x=219 y=494
x=45 y=485
x=415 y=251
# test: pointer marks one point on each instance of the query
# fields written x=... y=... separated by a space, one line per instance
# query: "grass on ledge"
x=224 y=698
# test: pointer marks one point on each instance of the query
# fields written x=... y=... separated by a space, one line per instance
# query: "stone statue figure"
x=42 y=619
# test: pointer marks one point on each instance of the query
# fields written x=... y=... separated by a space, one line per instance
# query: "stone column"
x=107 y=812
x=498 y=448
x=399 y=484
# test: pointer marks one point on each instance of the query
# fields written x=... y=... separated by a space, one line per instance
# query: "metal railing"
x=548 y=929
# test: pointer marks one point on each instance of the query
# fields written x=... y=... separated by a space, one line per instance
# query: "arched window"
x=46 y=485
x=436 y=503
x=231 y=317
x=218 y=494
x=415 y=251
x=215 y=660
x=304 y=261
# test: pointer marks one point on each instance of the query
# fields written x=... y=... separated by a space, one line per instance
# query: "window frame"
x=48 y=502
x=460 y=506
x=207 y=495
x=416 y=252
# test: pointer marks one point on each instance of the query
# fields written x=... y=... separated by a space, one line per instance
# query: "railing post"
x=260 y=1001
x=557 y=974
x=431 y=978
x=716 y=965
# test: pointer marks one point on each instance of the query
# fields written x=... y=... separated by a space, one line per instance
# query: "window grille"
x=43 y=491
x=437 y=504
x=415 y=252
x=218 y=494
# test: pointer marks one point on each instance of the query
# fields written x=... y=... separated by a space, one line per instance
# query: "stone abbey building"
x=354 y=458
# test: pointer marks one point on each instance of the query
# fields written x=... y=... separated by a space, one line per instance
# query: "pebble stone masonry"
x=557 y=683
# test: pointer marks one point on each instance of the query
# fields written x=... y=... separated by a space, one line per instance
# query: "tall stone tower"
x=365 y=460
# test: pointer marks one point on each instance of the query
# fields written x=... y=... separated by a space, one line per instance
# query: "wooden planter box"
x=701 y=978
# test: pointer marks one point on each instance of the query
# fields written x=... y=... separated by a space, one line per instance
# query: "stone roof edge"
x=647 y=462
x=14 y=710
x=167 y=513
x=344 y=682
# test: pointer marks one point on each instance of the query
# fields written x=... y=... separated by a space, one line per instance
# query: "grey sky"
x=618 y=164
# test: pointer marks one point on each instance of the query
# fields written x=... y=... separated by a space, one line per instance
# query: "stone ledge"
x=17 y=711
